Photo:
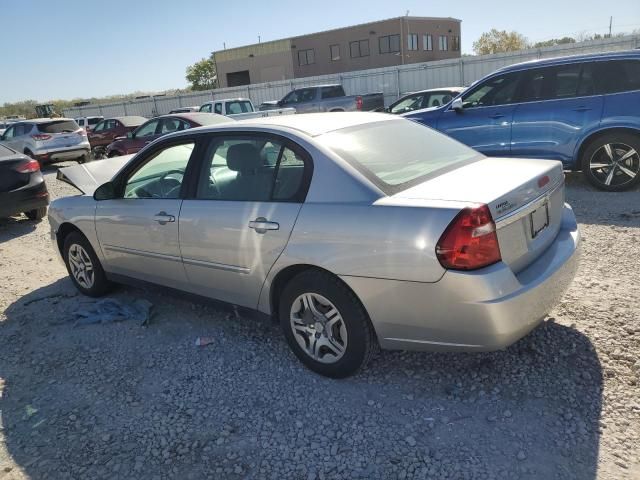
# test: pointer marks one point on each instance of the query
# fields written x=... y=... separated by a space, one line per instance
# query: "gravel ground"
x=127 y=401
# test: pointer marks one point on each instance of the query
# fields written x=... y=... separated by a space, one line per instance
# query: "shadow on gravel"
x=593 y=206
x=14 y=227
x=125 y=401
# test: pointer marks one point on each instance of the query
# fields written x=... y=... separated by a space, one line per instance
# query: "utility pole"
x=259 y=39
x=610 y=22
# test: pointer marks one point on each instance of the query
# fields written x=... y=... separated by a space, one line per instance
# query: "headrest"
x=243 y=157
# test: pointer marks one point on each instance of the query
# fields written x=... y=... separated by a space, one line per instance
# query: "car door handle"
x=163 y=218
x=582 y=109
x=261 y=225
x=497 y=115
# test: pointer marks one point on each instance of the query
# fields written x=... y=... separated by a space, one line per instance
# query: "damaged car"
x=354 y=230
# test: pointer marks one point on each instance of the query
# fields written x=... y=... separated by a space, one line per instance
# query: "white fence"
x=392 y=81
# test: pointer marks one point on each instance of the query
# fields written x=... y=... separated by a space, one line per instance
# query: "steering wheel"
x=169 y=184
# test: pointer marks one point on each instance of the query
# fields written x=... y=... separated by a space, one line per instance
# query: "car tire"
x=113 y=153
x=84 y=158
x=36 y=214
x=611 y=149
x=336 y=345
x=83 y=266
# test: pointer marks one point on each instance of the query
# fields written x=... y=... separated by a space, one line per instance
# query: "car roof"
x=129 y=120
x=203 y=118
x=625 y=54
x=314 y=124
x=46 y=120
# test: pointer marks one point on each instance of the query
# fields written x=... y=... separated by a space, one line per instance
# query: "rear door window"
x=58 y=126
x=557 y=82
x=217 y=108
x=332 y=92
x=617 y=76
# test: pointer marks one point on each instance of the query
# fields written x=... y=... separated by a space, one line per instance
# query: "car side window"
x=80 y=121
x=9 y=133
x=617 y=76
x=148 y=129
x=99 y=127
x=162 y=174
x=109 y=124
x=499 y=90
x=408 y=104
x=206 y=108
x=250 y=169
x=169 y=125
x=217 y=108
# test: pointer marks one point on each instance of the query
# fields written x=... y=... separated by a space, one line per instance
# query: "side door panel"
x=226 y=259
x=226 y=254
x=138 y=232
x=486 y=119
x=559 y=104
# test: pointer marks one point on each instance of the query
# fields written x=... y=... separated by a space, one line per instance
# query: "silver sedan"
x=354 y=230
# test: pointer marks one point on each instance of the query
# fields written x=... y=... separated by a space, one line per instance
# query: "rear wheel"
x=37 y=214
x=98 y=153
x=612 y=162
x=113 y=153
x=83 y=266
x=325 y=324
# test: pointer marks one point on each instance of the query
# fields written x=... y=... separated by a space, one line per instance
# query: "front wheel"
x=83 y=266
x=325 y=325
x=612 y=162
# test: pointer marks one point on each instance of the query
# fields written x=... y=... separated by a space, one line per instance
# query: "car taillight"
x=28 y=166
x=359 y=103
x=470 y=241
x=39 y=137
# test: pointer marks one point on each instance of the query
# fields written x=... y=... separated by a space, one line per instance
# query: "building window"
x=359 y=48
x=389 y=44
x=455 y=43
x=306 y=57
x=335 y=52
x=443 y=43
x=427 y=42
x=412 y=41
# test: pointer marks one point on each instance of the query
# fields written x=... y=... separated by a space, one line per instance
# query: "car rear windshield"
x=58 y=126
x=239 y=107
x=396 y=155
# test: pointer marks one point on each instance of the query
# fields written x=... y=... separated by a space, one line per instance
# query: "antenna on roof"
x=259 y=39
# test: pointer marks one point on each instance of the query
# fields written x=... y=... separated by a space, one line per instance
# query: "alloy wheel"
x=615 y=164
x=318 y=328
x=81 y=266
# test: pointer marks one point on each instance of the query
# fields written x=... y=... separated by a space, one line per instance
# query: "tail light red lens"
x=40 y=137
x=28 y=166
x=359 y=103
x=470 y=241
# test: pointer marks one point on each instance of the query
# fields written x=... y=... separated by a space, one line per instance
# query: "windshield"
x=395 y=155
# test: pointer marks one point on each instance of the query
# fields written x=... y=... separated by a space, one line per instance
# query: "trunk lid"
x=86 y=177
x=525 y=197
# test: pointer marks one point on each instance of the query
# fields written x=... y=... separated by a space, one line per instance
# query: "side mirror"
x=457 y=105
x=106 y=191
x=130 y=135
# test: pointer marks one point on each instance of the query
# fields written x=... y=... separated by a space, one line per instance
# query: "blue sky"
x=83 y=48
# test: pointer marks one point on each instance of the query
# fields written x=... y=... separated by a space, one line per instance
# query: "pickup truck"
x=327 y=98
x=240 y=109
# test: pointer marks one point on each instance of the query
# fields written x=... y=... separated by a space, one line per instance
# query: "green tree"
x=498 y=41
x=554 y=41
x=202 y=75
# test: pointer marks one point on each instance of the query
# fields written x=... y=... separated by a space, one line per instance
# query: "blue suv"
x=582 y=110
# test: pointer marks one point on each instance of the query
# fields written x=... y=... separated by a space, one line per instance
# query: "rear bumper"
x=61 y=154
x=31 y=196
x=482 y=310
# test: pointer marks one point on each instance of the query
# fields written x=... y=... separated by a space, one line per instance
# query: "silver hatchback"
x=352 y=229
x=48 y=139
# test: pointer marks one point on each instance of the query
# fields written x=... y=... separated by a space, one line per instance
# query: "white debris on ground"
x=120 y=400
